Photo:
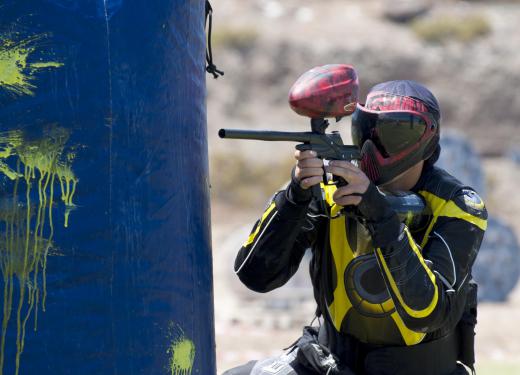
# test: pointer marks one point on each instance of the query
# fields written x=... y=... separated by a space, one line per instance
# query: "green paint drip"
x=17 y=72
x=49 y=64
x=181 y=352
x=6 y=170
x=27 y=222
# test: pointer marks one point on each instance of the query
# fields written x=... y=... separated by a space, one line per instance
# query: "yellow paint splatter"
x=17 y=71
x=50 y=64
x=182 y=355
x=26 y=223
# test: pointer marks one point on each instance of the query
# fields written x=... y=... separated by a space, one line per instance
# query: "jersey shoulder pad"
x=442 y=184
x=469 y=201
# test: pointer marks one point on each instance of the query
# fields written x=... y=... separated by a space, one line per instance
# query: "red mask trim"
x=382 y=101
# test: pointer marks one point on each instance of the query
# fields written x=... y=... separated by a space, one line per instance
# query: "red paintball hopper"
x=329 y=91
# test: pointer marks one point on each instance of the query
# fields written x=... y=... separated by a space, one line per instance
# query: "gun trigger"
x=303 y=147
x=339 y=181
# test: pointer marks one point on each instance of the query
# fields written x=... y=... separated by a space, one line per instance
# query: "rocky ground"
x=264 y=45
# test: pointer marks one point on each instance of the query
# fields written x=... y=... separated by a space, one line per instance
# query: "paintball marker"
x=329 y=91
x=322 y=92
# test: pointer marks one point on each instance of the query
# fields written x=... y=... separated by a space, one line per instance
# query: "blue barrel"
x=104 y=192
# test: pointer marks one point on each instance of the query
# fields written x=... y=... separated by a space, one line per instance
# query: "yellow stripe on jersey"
x=253 y=235
x=342 y=256
x=410 y=337
x=442 y=207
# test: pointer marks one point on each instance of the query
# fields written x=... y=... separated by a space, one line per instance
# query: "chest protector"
x=357 y=300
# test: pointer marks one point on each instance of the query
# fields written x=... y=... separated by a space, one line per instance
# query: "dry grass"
x=241 y=39
x=444 y=28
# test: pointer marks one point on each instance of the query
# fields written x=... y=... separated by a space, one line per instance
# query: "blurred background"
x=466 y=52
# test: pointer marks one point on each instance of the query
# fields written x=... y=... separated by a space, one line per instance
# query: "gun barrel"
x=265 y=135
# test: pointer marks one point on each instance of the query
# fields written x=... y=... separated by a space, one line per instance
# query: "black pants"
x=267 y=367
x=285 y=364
x=432 y=358
x=438 y=357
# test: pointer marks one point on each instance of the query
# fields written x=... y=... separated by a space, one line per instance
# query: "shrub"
x=237 y=180
x=234 y=38
x=444 y=28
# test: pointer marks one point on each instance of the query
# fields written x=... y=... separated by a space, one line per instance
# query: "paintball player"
x=392 y=299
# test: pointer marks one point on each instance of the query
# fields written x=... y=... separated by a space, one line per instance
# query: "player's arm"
x=428 y=285
x=272 y=253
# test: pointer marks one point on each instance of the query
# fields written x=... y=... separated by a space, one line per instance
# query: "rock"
x=460 y=159
x=403 y=11
x=514 y=155
x=497 y=267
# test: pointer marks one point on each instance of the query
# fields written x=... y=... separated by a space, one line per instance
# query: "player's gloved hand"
x=309 y=168
x=382 y=221
x=307 y=173
x=357 y=182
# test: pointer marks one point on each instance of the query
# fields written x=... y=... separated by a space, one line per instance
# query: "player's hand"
x=357 y=180
x=309 y=168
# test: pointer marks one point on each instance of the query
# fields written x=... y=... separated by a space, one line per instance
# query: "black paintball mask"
x=395 y=131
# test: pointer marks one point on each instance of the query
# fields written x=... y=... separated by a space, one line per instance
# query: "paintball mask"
x=395 y=131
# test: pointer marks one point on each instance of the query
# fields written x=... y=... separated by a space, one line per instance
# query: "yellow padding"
x=253 y=235
x=342 y=254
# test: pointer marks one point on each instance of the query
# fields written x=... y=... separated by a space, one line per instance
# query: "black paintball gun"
x=329 y=91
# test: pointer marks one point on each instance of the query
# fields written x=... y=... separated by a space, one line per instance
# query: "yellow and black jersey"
x=411 y=291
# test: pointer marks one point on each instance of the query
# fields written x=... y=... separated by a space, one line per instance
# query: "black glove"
x=297 y=194
x=382 y=221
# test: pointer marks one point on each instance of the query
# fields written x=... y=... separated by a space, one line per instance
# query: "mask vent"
x=368 y=162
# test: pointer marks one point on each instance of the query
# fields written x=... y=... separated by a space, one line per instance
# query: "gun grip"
x=318 y=194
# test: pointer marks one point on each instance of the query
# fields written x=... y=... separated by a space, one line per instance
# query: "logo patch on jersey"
x=473 y=200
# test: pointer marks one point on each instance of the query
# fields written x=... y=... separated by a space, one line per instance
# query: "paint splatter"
x=181 y=352
x=35 y=167
x=18 y=68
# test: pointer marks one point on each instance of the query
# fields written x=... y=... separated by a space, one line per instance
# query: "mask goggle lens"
x=391 y=131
